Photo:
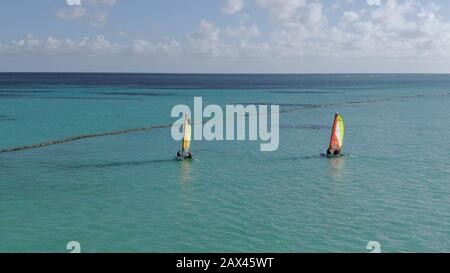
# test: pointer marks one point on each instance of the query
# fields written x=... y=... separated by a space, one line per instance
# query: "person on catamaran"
x=187 y=155
x=336 y=152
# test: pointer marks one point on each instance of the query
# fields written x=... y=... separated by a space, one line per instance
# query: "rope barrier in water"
x=75 y=138
x=143 y=129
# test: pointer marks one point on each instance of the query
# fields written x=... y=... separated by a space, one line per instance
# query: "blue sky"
x=226 y=36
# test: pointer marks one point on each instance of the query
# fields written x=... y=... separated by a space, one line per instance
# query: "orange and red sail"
x=337 y=134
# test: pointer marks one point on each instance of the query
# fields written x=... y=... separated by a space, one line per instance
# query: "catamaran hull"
x=180 y=158
x=334 y=156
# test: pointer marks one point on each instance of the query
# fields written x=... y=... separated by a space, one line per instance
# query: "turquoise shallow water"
x=126 y=193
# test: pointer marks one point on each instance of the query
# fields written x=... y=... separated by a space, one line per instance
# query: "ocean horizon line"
x=223 y=73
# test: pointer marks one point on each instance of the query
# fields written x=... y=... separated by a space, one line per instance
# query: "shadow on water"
x=281 y=104
x=315 y=127
x=134 y=163
x=141 y=94
x=33 y=97
x=10 y=96
x=7 y=118
x=309 y=157
x=80 y=98
x=26 y=91
x=297 y=158
x=300 y=92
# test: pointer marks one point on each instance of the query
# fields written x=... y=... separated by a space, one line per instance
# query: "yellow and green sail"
x=187 y=135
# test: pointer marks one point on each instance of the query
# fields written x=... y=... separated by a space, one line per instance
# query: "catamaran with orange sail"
x=337 y=138
x=185 y=152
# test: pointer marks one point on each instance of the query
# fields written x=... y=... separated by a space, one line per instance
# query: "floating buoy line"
x=148 y=128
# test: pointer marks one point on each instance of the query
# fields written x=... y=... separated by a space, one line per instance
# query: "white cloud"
x=373 y=2
x=243 y=31
x=99 y=18
x=97 y=45
x=393 y=30
x=78 y=12
x=283 y=10
x=170 y=48
x=299 y=30
x=206 y=31
x=109 y=3
x=350 y=16
x=205 y=39
x=233 y=6
x=392 y=15
x=73 y=2
x=73 y=13
x=315 y=15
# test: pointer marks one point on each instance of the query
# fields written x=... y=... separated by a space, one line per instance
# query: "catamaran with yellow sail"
x=337 y=138
x=185 y=152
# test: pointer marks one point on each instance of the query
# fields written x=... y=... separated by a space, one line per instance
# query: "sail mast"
x=333 y=139
x=186 y=135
